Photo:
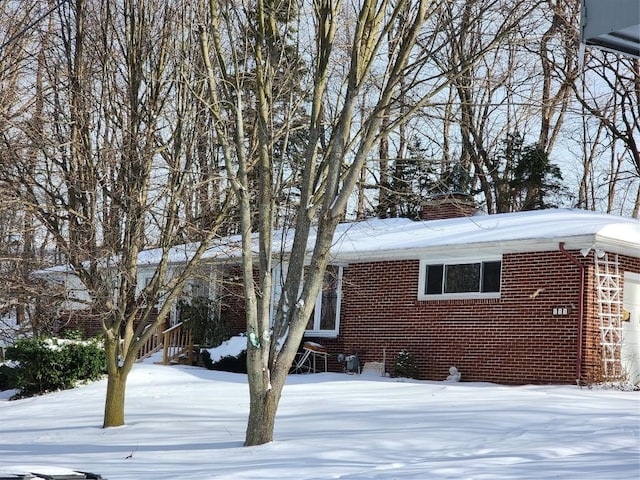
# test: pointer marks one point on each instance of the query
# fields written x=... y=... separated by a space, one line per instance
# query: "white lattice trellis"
x=609 y=291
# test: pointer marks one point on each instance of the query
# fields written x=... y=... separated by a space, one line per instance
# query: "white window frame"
x=317 y=313
x=278 y=273
x=422 y=280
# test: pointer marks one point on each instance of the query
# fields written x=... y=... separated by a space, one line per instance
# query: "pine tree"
x=405 y=365
x=535 y=179
x=525 y=179
x=414 y=178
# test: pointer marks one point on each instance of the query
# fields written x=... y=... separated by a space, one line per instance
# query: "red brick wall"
x=89 y=325
x=513 y=340
x=232 y=308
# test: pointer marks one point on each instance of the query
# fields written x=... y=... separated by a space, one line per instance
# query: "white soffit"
x=612 y=25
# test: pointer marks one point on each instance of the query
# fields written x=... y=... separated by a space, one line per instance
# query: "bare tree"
x=557 y=53
x=608 y=95
x=111 y=165
x=380 y=48
x=511 y=65
x=20 y=55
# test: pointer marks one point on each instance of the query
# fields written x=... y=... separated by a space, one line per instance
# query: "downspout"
x=580 y=310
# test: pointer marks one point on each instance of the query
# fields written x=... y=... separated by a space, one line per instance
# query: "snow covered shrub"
x=622 y=385
x=44 y=365
x=230 y=363
x=206 y=359
x=405 y=365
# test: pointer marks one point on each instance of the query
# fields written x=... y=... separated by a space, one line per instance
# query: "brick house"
x=548 y=296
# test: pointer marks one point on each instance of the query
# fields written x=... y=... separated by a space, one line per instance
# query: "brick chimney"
x=448 y=205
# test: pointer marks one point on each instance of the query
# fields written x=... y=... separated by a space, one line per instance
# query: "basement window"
x=473 y=279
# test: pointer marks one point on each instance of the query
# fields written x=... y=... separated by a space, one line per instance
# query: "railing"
x=176 y=344
x=152 y=345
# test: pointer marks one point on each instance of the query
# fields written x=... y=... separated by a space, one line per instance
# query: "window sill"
x=459 y=296
x=321 y=333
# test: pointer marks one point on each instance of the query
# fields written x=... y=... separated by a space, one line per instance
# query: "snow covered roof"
x=401 y=238
x=539 y=230
x=612 y=26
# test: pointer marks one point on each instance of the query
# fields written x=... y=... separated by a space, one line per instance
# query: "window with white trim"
x=472 y=279
x=325 y=318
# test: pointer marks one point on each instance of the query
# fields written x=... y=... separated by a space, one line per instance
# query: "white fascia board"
x=614 y=245
x=470 y=250
x=458 y=251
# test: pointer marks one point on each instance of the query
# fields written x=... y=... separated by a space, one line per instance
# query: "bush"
x=405 y=365
x=227 y=364
x=206 y=359
x=8 y=377
x=45 y=365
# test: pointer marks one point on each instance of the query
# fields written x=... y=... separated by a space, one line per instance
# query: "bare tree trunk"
x=555 y=101
x=295 y=306
x=262 y=415
x=384 y=209
x=116 y=386
x=114 y=405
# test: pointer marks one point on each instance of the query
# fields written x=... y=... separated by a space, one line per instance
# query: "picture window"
x=460 y=280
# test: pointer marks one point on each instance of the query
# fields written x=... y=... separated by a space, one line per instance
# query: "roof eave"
x=453 y=252
x=616 y=245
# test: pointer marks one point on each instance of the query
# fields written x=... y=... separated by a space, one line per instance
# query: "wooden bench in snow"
x=315 y=348
x=310 y=352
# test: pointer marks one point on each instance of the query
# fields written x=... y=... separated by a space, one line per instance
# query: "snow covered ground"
x=188 y=423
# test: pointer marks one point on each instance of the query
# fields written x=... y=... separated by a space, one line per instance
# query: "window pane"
x=312 y=318
x=491 y=276
x=434 y=280
x=199 y=288
x=329 y=299
x=462 y=278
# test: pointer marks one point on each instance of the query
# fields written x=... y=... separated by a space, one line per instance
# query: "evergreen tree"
x=503 y=172
x=415 y=177
x=412 y=181
x=454 y=178
x=535 y=179
x=524 y=177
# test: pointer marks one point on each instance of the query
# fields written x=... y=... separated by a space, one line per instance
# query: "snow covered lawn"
x=188 y=423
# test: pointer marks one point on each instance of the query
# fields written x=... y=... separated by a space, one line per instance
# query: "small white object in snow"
x=454 y=375
x=373 y=368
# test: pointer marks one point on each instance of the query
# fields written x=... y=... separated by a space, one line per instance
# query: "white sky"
x=189 y=423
